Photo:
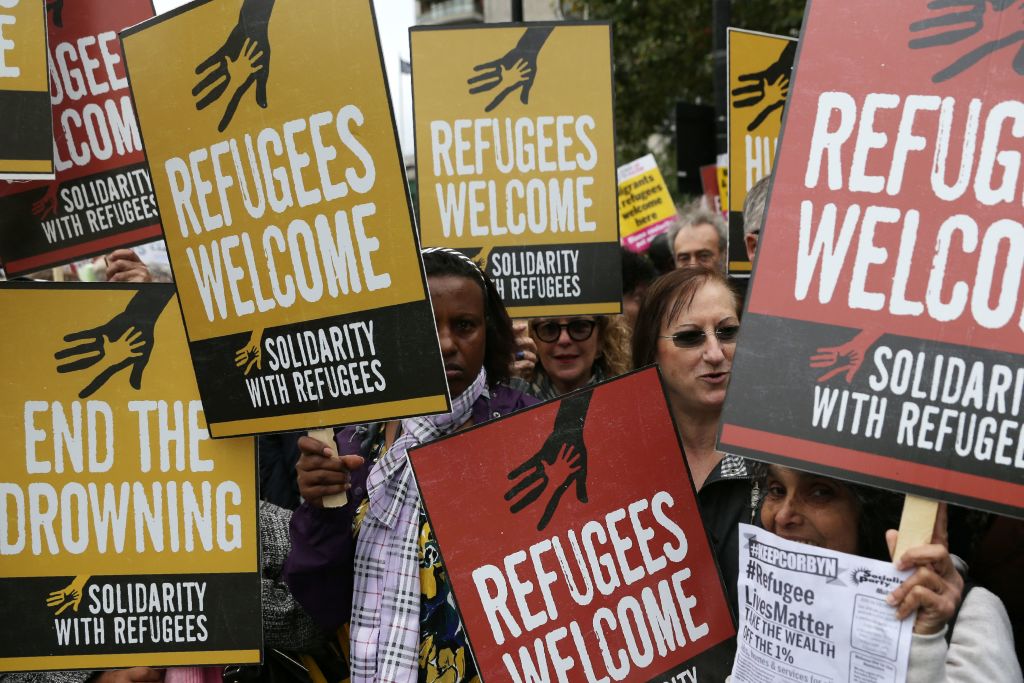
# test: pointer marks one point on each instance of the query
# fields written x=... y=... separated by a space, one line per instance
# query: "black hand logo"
x=514 y=71
x=46 y=205
x=560 y=463
x=955 y=21
x=126 y=340
x=768 y=87
x=57 y=9
x=243 y=59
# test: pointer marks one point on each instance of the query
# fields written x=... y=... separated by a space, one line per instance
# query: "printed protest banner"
x=812 y=614
x=567 y=573
x=883 y=336
x=645 y=207
x=102 y=197
x=26 y=148
x=127 y=536
x=759 y=75
x=287 y=218
x=515 y=158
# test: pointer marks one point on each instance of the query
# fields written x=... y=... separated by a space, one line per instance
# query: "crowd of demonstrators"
x=370 y=569
x=373 y=562
x=572 y=353
x=961 y=631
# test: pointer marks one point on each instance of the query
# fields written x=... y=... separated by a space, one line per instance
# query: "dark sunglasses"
x=691 y=339
x=579 y=330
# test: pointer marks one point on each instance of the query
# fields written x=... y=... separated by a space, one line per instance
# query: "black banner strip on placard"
x=345 y=361
x=131 y=614
x=946 y=410
x=62 y=222
x=32 y=137
x=554 y=274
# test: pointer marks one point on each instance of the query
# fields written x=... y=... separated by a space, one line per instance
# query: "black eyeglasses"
x=691 y=339
x=579 y=330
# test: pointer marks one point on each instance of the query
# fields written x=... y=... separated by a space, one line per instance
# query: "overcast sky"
x=394 y=17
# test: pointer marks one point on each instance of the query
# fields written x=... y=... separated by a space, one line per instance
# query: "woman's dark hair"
x=880 y=511
x=500 y=340
x=666 y=296
x=637 y=271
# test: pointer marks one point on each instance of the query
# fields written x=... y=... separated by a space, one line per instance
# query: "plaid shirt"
x=385 y=627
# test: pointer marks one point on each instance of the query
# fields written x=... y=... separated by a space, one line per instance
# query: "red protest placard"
x=102 y=197
x=571 y=537
x=882 y=340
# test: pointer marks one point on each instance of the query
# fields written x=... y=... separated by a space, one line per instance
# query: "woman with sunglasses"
x=688 y=324
x=374 y=563
x=573 y=353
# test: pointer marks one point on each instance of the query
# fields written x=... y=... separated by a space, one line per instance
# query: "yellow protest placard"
x=275 y=162
x=516 y=159
x=127 y=536
x=760 y=66
x=26 y=143
x=645 y=206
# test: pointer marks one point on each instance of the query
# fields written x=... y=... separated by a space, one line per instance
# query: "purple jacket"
x=318 y=570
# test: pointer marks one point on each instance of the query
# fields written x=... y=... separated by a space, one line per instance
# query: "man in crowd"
x=753 y=214
x=698 y=239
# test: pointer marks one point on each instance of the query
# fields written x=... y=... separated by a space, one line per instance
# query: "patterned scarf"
x=386 y=602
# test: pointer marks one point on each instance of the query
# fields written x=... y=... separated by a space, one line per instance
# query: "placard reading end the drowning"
x=516 y=159
x=287 y=218
x=127 y=536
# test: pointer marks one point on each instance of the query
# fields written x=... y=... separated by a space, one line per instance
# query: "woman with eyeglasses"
x=688 y=324
x=374 y=564
x=573 y=353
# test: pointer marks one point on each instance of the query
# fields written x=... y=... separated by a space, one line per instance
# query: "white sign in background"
x=815 y=615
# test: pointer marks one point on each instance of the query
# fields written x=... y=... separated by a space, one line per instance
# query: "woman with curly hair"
x=570 y=353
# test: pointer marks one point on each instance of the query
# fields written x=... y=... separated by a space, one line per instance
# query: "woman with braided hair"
x=373 y=564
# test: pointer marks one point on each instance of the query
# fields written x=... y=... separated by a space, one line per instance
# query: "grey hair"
x=753 y=205
x=693 y=216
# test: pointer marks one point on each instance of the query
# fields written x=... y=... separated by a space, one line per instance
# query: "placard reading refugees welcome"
x=127 y=536
x=102 y=196
x=25 y=147
x=645 y=206
x=883 y=336
x=273 y=151
x=760 y=67
x=568 y=573
x=516 y=159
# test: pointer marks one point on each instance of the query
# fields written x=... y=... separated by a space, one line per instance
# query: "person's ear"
x=750 y=242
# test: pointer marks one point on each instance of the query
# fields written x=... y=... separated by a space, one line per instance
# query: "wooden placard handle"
x=916 y=524
x=333 y=500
